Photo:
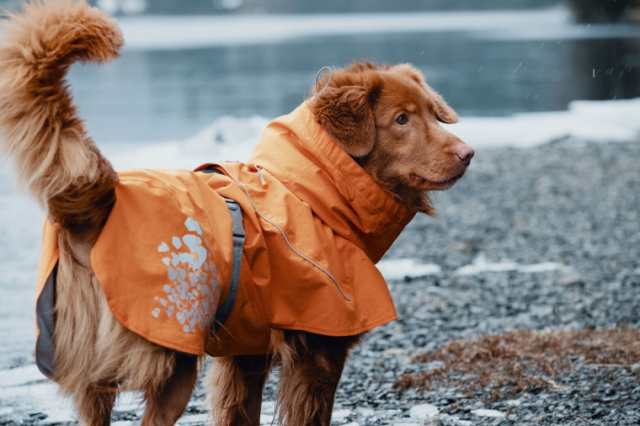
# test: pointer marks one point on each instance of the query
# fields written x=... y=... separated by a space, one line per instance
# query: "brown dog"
x=385 y=117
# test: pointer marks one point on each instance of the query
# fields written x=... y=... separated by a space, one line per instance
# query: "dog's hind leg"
x=236 y=385
x=310 y=376
x=94 y=404
x=166 y=405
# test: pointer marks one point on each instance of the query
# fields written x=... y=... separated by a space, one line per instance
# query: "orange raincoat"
x=316 y=223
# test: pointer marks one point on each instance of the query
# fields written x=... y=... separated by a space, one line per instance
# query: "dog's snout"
x=464 y=152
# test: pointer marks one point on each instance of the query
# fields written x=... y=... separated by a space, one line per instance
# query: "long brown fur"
x=309 y=376
x=55 y=158
x=95 y=356
x=236 y=388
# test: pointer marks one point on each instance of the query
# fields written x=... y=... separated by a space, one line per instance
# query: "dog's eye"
x=402 y=119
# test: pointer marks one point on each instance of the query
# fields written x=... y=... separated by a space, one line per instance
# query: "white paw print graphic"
x=191 y=295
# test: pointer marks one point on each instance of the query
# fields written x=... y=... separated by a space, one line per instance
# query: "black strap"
x=45 y=314
x=238 y=233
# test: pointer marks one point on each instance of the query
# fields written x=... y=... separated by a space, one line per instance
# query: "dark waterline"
x=159 y=95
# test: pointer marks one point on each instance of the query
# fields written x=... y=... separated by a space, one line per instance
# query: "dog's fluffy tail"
x=54 y=155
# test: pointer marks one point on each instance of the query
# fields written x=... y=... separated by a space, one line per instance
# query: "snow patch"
x=495 y=414
x=268 y=407
x=424 y=412
x=226 y=139
x=20 y=376
x=365 y=411
x=266 y=419
x=399 y=269
x=482 y=265
x=564 y=32
x=194 y=419
x=129 y=401
x=597 y=121
x=41 y=396
x=340 y=415
x=25 y=389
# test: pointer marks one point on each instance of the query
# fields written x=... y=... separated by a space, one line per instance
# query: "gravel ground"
x=569 y=202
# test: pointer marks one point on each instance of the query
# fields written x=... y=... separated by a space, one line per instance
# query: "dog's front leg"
x=236 y=385
x=309 y=378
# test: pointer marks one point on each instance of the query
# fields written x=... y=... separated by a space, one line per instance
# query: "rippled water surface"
x=159 y=93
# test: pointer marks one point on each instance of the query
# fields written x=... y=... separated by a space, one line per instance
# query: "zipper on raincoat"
x=284 y=236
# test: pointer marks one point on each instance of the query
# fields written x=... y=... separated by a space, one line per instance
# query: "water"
x=159 y=94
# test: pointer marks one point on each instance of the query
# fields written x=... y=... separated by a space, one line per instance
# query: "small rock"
x=192 y=419
x=266 y=419
x=268 y=407
x=395 y=352
x=424 y=412
x=434 y=365
x=513 y=403
x=570 y=278
x=635 y=368
x=447 y=420
x=365 y=412
x=340 y=415
x=483 y=412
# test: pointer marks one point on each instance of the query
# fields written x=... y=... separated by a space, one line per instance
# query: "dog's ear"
x=343 y=105
x=441 y=108
x=443 y=111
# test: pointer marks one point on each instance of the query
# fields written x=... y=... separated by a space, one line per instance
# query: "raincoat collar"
x=322 y=167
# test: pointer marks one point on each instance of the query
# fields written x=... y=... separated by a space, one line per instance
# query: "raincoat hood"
x=338 y=190
x=316 y=223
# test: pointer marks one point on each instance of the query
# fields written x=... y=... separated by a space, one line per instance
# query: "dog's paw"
x=192 y=293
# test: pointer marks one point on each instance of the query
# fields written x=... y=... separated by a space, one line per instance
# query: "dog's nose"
x=464 y=152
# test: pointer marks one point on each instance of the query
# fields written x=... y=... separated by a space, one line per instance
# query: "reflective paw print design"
x=192 y=293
